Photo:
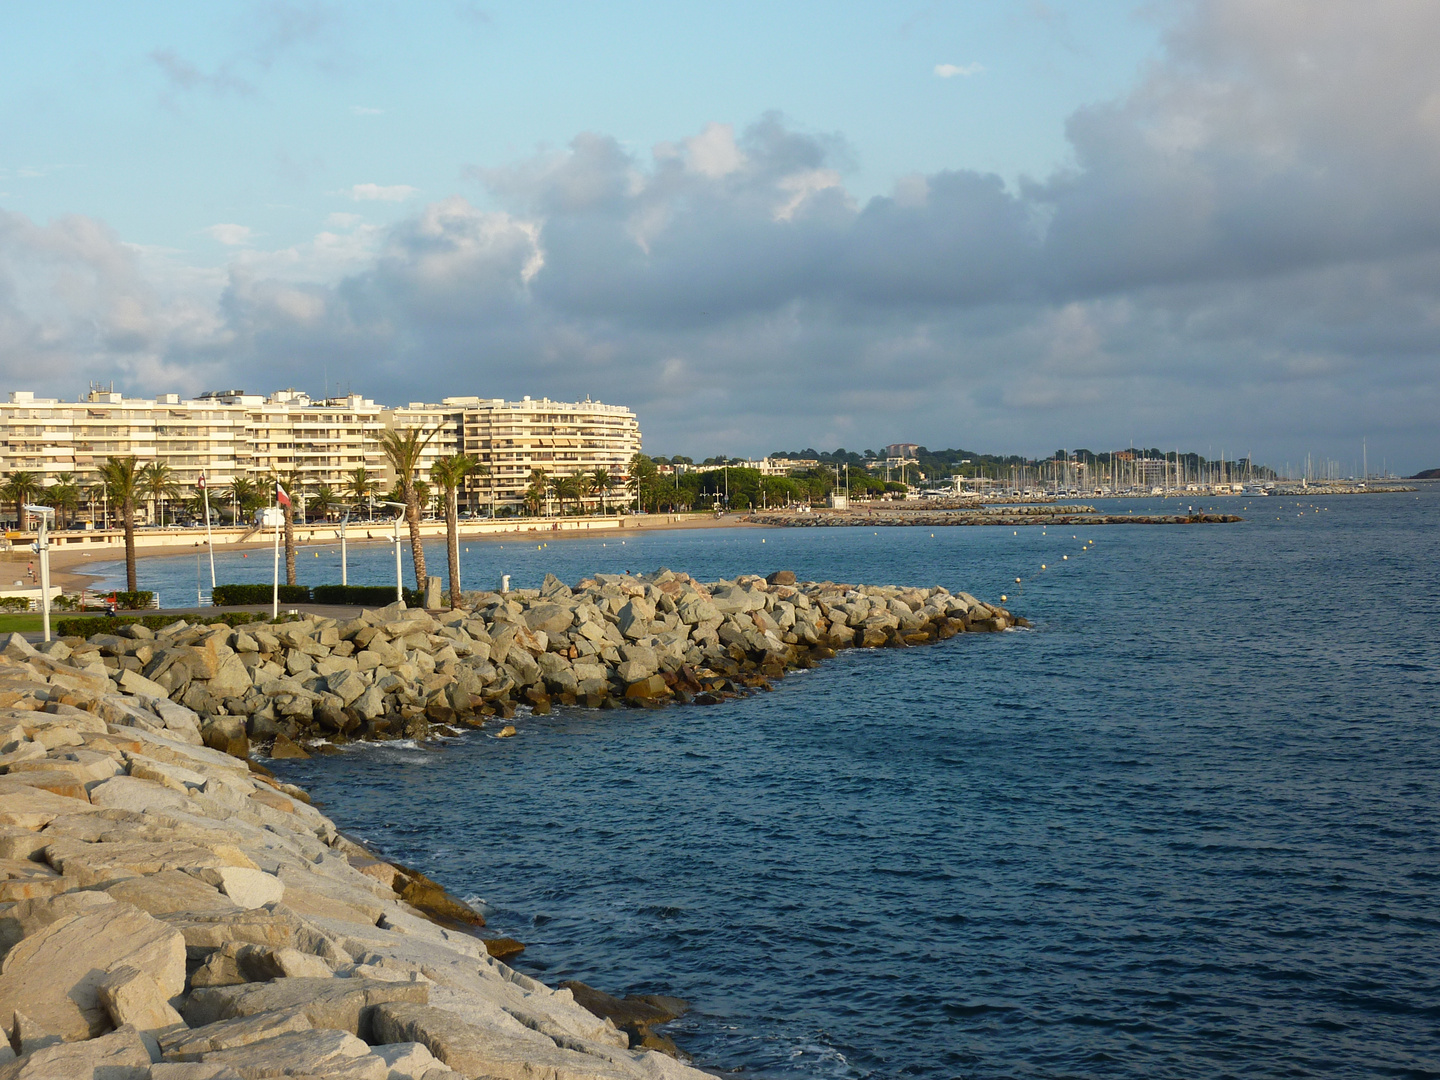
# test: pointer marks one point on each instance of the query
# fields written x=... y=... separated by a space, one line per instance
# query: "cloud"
x=185 y=76
x=950 y=71
x=381 y=193
x=1246 y=250
x=230 y=235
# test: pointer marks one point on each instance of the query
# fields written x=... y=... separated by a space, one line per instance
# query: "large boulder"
x=550 y=618
x=120 y=1055
x=54 y=974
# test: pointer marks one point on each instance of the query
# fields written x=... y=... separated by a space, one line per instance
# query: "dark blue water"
x=1187 y=827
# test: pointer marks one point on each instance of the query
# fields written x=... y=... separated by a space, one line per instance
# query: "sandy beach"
x=67 y=567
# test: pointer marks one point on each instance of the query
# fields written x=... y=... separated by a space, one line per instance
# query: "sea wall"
x=1013 y=515
x=612 y=640
x=171 y=912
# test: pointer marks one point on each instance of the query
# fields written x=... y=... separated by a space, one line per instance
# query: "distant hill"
x=1428 y=474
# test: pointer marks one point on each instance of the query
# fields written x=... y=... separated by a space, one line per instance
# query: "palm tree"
x=535 y=493
x=21 y=489
x=243 y=496
x=323 y=501
x=121 y=477
x=601 y=482
x=362 y=485
x=482 y=469
x=157 y=483
x=449 y=473
x=291 y=482
x=403 y=449
x=64 y=495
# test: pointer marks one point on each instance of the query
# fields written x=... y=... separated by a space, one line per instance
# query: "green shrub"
x=86 y=626
x=134 y=601
x=231 y=595
x=362 y=595
x=14 y=603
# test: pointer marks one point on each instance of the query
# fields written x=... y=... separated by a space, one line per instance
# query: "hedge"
x=134 y=601
x=101 y=624
x=366 y=595
x=347 y=595
x=230 y=595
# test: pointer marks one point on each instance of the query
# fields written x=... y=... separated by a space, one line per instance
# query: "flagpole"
x=275 y=598
x=209 y=540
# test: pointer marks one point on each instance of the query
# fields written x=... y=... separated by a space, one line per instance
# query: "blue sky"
x=1008 y=226
x=167 y=118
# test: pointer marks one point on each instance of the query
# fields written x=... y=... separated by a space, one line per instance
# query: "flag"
x=280 y=496
x=201 y=482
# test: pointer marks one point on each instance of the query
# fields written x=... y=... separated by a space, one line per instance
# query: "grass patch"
x=13 y=623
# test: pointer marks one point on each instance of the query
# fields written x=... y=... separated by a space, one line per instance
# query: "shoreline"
x=164 y=902
x=66 y=566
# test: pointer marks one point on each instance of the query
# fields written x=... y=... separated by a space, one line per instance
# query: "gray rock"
x=346 y=1004
x=54 y=974
x=550 y=618
x=120 y=1055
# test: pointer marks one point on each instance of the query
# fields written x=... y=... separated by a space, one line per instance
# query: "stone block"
x=131 y=996
x=120 y=1055
x=54 y=974
x=346 y=1004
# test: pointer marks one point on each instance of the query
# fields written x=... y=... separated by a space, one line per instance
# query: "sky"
x=1005 y=226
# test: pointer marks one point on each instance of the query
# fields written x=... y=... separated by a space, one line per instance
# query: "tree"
x=323 y=501
x=157 y=483
x=641 y=483
x=291 y=482
x=403 y=449
x=64 y=496
x=449 y=473
x=602 y=483
x=121 y=477
x=482 y=469
x=20 y=489
x=362 y=485
x=243 y=497
x=535 y=493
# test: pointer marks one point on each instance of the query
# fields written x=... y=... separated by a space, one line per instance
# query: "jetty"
x=169 y=910
x=612 y=640
x=1041 y=514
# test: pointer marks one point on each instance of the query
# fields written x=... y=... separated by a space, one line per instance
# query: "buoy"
x=1042 y=566
x=1065 y=558
x=1003 y=597
x=1017 y=581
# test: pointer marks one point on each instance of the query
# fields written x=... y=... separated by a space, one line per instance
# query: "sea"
x=1186 y=826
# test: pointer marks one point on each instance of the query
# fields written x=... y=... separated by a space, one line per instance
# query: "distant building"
x=902 y=450
x=230 y=434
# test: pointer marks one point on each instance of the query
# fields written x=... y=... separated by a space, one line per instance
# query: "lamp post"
x=399 y=586
x=344 y=562
x=42 y=548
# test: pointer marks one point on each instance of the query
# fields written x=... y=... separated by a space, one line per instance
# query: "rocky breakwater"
x=168 y=912
x=1010 y=515
x=611 y=640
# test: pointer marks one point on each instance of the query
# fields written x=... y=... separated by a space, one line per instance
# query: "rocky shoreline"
x=611 y=641
x=171 y=912
x=1029 y=515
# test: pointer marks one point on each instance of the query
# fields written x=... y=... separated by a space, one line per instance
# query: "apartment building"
x=513 y=438
x=230 y=433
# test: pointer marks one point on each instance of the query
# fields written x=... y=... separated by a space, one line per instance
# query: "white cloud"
x=949 y=71
x=229 y=235
x=381 y=192
x=343 y=221
x=365 y=110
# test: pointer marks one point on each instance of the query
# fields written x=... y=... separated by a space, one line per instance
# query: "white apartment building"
x=230 y=433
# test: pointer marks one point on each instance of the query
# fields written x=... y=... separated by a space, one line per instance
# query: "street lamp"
x=399 y=586
x=344 y=563
x=42 y=548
